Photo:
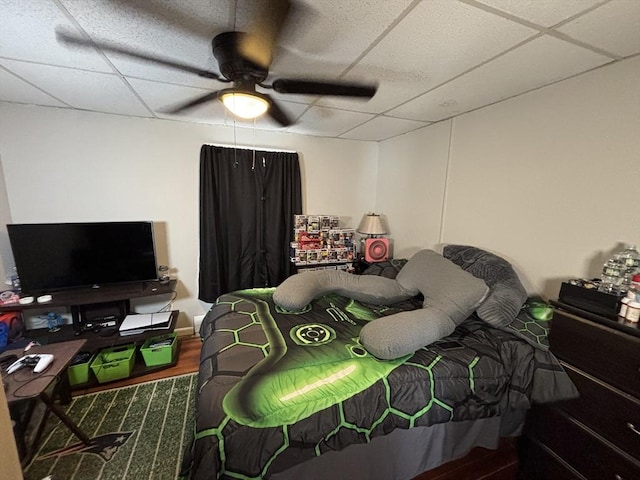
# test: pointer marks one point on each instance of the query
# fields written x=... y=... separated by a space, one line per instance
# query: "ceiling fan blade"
x=182 y=107
x=311 y=87
x=69 y=39
x=260 y=42
x=189 y=21
x=277 y=113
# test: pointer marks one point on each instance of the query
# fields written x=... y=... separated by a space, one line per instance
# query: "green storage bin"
x=114 y=363
x=155 y=355
x=78 y=371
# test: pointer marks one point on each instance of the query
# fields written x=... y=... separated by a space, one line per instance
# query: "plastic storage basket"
x=114 y=363
x=78 y=371
x=160 y=350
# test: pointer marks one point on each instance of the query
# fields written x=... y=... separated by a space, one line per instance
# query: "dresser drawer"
x=538 y=462
x=603 y=352
x=590 y=455
x=613 y=414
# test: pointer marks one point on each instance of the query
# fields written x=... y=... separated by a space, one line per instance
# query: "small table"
x=25 y=385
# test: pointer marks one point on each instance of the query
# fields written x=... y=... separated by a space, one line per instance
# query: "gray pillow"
x=297 y=291
x=450 y=296
x=506 y=296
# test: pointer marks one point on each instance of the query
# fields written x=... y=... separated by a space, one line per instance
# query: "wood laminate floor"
x=188 y=362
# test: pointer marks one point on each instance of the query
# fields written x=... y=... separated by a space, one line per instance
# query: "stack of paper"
x=135 y=324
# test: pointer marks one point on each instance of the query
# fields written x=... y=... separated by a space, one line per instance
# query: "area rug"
x=137 y=432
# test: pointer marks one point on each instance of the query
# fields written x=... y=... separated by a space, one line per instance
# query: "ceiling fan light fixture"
x=244 y=104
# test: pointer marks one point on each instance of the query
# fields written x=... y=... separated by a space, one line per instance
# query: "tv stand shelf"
x=81 y=298
x=103 y=294
x=106 y=338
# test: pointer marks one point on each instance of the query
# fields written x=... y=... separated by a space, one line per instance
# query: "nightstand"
x=596 y=436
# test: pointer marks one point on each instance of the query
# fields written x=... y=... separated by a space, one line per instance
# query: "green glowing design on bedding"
x=308 y=367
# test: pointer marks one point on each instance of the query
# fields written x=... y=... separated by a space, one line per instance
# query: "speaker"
x=376 y=249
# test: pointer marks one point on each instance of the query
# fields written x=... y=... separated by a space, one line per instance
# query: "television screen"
x=55 y=256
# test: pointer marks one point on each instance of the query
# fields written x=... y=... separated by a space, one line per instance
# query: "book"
x=135 y=324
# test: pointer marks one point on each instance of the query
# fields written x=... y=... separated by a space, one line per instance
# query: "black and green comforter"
x=276 y=388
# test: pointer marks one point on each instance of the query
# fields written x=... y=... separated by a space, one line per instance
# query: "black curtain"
x=247 y=202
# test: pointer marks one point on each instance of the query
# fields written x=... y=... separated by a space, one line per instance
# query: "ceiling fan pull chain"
x=235 y=146
x=254 y=145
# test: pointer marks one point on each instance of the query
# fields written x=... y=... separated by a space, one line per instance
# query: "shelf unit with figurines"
x=321 y=242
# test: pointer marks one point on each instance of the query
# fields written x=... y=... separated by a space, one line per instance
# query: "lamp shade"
x=244 y=104
x=371 y=224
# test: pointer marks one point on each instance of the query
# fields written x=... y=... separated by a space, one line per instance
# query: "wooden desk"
x=24 y=385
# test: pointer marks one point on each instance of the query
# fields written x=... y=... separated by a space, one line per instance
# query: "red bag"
x=12 y=328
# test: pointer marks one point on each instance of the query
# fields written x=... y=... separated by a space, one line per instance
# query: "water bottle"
x=633 y=296
x=612 y=274
x=630 y=258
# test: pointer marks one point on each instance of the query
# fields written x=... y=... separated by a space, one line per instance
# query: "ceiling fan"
x=244 y=59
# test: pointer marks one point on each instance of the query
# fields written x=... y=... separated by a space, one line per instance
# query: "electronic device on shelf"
x=39 y=362
x=56 y=256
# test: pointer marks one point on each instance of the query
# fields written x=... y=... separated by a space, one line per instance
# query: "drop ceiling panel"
x=13 y=89
x=545 y=13
x=162 y=96
x=382 y=128
x=594 y=27
x=431 y=58
x=27 y=32
x=81 y=89
x=326 y=37
x=328 y=122
x=439 y=40
x=151 y=29
x=539 y=62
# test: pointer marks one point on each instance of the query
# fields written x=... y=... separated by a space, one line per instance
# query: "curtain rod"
x=243 y=147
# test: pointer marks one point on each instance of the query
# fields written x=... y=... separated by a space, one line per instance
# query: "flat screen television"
x=57 y=256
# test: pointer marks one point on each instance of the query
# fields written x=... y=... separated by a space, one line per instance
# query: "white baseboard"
x=184 y=331
x=197 y=321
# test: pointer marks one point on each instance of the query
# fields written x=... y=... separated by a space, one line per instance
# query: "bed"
x=285 y=395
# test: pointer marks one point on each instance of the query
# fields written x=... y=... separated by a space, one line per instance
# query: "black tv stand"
x=78 y=297
x=81 y=301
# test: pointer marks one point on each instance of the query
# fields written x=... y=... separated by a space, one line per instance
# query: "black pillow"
x=388 y=268
x=506 y=293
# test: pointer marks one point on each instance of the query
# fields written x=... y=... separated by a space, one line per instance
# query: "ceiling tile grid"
x=14 y=89
x=431 y=59
x=539 y=62
x=81 y=89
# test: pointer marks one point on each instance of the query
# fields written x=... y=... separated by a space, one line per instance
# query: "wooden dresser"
x=596 y=436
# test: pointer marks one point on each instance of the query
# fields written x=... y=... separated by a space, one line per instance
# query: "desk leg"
x=19 y=428
x=63 y=388
x=58 y=412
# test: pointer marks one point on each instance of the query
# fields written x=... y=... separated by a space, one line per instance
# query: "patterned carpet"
x=137 y=432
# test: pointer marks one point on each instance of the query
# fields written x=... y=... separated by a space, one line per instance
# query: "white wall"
x=550 y=180
x=411 y=182
x=62 y=165
x=6 y=256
